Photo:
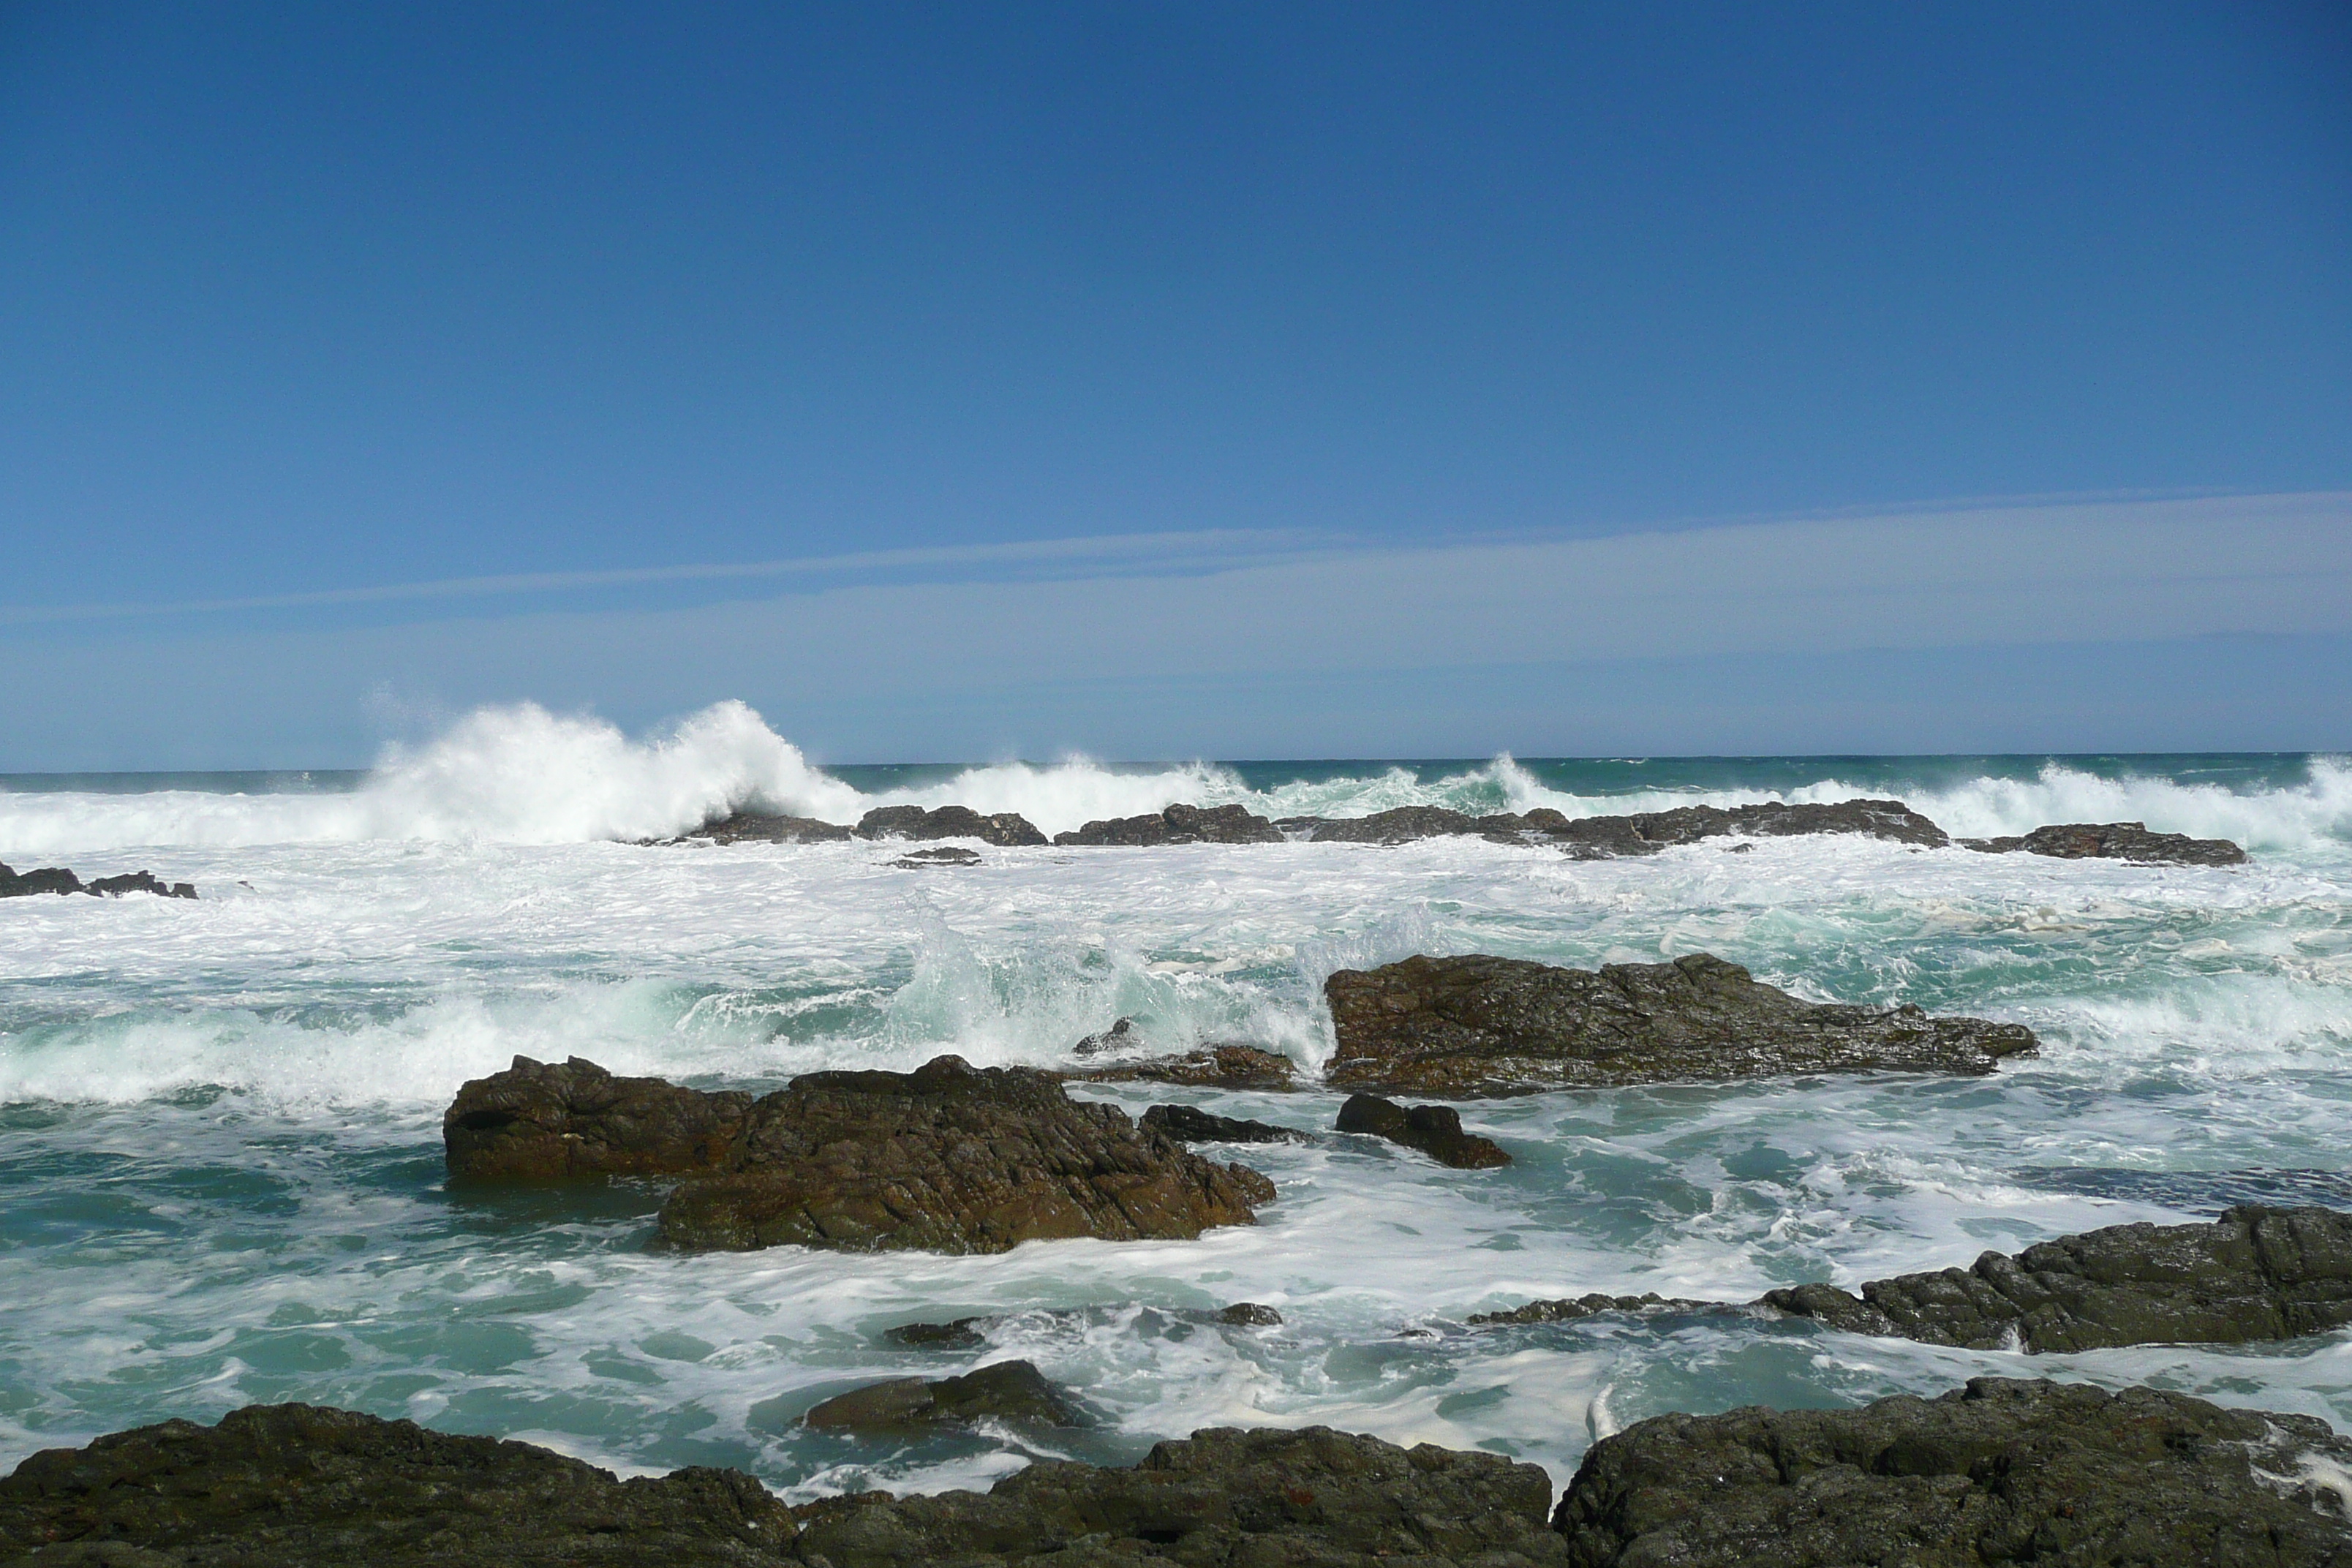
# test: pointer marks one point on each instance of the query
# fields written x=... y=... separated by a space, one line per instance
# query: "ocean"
x=221 y=1176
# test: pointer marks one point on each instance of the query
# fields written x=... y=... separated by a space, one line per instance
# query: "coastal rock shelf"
x=1477 y=1026
x=1583 y=837
x=57 y=879
x=2000 y=1471
x=947 y=1158
x=2255 y=1274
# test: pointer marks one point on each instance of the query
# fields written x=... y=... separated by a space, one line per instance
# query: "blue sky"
x=956 y=381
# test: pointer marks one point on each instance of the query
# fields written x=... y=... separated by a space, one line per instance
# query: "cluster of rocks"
x=2115 y=841
x=57 y=879
x=948 y=1158
x=1998 y=1471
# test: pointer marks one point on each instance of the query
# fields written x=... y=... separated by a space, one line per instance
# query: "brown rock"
x=1210 y=1067
x=2116 y=841
x=1190 y=1124
x=1004 y=1390
x=547 y=1122
x=1482 y=1026
x=1435 y=1129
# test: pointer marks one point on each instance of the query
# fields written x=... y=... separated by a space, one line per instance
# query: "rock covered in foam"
x=58 y=880
x=2115 y=841
x=1480 y=1025
x=2256 y=1273
x=1434 y=1130
x=761 y=827
x=2000 y=1471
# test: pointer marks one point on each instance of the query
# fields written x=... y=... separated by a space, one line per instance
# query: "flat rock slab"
x=2115 y=841
x=950 y=1158
x=294 y=1485
x=1210 y=1067
x=565 y=1120
x=1434 y=1130
x=2002 y=1471
x=58 y=880
x=1012 y=1391
x=1477 y=1026
x=2257 y=1273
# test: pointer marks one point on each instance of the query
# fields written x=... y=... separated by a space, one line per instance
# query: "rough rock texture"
x=1435 y=1129
x=1118 y=1037
x=1311 y=1499
x=2256 y=1273
x=1005 y=1391
x=1480 y=1025
x=292 y=1485
x=57 y=879
x=1210 y=1067
x=1250 y=1315
x=551 y=1122
x=758 y=827
x=1190 y=1124
x=1004 y=827
x=2116 y=841
x=950 y=1158
x=1179 y=825
x=2002 y=1471
x=1567 y=1309
x=961 y=1334
x=1642 y=832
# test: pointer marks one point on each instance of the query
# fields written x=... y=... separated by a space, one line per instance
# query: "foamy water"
x=222 y=1166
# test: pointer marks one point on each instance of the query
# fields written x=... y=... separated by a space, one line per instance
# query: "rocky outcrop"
x=2115 y=841
x=1179 y=825
x=1434 y=1130
x=950 y=1158
x=1482 y=1026
x=932 y=859
x=1190 y=1124
x=1209 y=1067
x=1568 y=1309
x=2256 y=1273
x=57 y=879
x=1004 y=827
x=759 y=827
x=565 y=1121
x=293 y=1485
x=2002 y=1471
x=1642 y=833
x=1013 y=1391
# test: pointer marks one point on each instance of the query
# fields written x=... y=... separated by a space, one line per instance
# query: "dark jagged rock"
x=2002 y=1471
x=1435 y=1129
x=1399 y=826
x=930 y=860
x=950 y=1158
x=1225 y=1498
x=2256 y=1273
x=57 y=879
x=961 y=1334
x=1642 y=833
x=1118 y=1037
x=1481 y=1026
x=761 y=827
x=1177 y=824
x=2116 y=841
x=549 y=1121
x=1210 y=1067
x=293 y=1485
x=1012 y=1390
x=1003 y=829
x=1568 y=1309
x=1190 y=1124
x=1250 y=1315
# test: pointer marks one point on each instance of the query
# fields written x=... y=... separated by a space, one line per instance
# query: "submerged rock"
x=1482 y=1026
x=1004 y=827
x=1568 y=1309
x=1435 y=1129
x=1190 y=1124
x=1005 y=1391
x=759 y=827
x=551 y=1122
x=2115 y=841
x=2256 y=1273
x=960 y=1334
x=1209 y=1067
x=1250 y=1315
x=1179 y=825
x=928 y=860
x=951 y=1158
x=2002 y=1471
x=294 y=1486
x=57 y=879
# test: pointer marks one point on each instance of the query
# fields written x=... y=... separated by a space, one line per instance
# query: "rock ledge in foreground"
x=2002 y=1471
x=1477 y=1026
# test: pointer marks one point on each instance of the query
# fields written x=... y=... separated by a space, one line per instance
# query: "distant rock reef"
x=57 y=879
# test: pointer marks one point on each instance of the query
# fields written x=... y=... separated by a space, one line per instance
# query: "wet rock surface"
x=294 y=1486
x=1190 y=1124
x=931 y=859
x=1476 y=1025
x=1012 y=1391
x=1004 y=827
x=1434 y=1130
x=761 y=827
x=2115 y=841
x=58 y=880
x=1642 y=833
x=1177 y=824
x=950 y=1158
x=1210 y=1067
x=1569 y=1309
x=2002 y=1471
x=2257 y=1273
x=565 y=1121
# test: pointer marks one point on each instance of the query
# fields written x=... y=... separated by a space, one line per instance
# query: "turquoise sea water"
x=220 y=1173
